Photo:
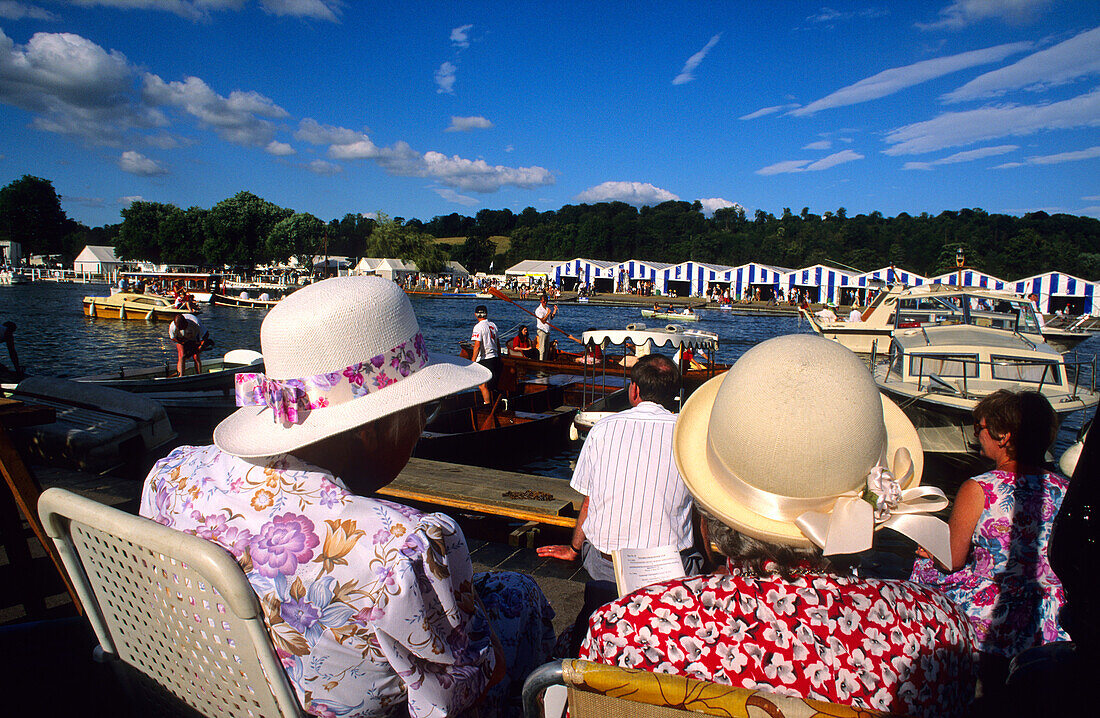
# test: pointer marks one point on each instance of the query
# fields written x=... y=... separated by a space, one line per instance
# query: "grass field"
x=503 y=244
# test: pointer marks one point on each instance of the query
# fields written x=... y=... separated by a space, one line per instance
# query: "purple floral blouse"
x=1007 y=587
x=368 y=602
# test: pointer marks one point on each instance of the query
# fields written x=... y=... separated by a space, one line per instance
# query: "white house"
x=11 y=253
x=97 y=260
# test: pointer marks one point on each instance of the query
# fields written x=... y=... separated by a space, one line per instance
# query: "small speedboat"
x=243 y=299
x=686 y=316
x=130 y=305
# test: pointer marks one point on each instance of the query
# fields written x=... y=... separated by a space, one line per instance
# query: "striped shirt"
x=636 y=498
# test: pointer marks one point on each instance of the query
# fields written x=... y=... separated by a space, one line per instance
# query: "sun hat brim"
x=251 y=431
x=690 y=449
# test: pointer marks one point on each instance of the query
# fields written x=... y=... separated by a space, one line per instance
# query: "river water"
x=55 y=338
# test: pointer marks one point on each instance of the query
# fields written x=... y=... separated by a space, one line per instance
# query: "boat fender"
x=151 y=315
x=122 y=312
x=635 y=327
x=1068 y=461
x=91 y=309
x=573 y=433
x=674 y=328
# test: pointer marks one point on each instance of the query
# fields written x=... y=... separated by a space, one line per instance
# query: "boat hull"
x=671 y=317
x=225 y=300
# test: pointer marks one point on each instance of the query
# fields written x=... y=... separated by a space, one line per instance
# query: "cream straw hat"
x=791 y=437
x=338 y=354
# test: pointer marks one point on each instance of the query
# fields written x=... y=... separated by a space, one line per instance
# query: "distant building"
x=11 y=253
x=97 y=260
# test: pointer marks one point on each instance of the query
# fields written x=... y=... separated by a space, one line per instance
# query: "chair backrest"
x=601 y=691
x=173 y=606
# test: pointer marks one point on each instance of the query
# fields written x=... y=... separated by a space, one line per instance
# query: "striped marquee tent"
x=823 y=283
x=752 y=276
x=970 y=278
x=596 y=273
x=691 y=279
x=637 y=270
x=890 y=275
x=1060 y=292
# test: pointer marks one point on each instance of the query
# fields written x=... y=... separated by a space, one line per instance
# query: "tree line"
x=245 y=230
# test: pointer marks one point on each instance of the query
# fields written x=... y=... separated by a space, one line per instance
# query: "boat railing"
x=969 y=367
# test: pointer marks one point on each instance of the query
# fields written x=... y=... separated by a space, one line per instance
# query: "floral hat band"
x=291 y=400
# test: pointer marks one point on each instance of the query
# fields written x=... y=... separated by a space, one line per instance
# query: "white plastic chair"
x=174 y=607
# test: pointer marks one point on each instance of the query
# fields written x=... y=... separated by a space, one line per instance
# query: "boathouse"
x=531 y=270
x=821 y=283
x=745 y=280
x=636 y=270
x=1059 y=292
x=96 y=260
x=691 y=279
x=594 y=273
x=964 y=277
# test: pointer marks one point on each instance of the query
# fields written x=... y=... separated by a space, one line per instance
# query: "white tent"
x=97 y=260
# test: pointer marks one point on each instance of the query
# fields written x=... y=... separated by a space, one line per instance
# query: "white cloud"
x=201 y=9
x=961 y=13
x=279 y=149
x=138 y=164
x=693 y=62
x=313 y=132
x=954 y=129
x=791 y=166
x=445 y=78
x=713 y=203
x=768 y=111
x=130 y=199
x=828 y=15
x=1093 y=211
x=460 y=36
x=326 y=169
x=967 y=156
x=635 y=193
x=465 y=124
x=451 y=196
x=896 y=79
x=1067 y=61
x=1057 y=159
x=73 y=87
x=10 y=10
x=819 y=145
x=1092 y=198
x=241 y=118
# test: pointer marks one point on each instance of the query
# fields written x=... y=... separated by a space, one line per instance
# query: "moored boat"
x=128 y=305
x=690 y=316
x=200 y=285
x=228 y=300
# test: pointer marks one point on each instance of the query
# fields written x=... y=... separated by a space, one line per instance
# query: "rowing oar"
x=501 y=295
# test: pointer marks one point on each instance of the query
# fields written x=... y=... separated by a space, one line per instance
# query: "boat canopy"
x=671 y=335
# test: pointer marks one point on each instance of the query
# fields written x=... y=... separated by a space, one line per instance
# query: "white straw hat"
x=338 y=354
x=795 y=425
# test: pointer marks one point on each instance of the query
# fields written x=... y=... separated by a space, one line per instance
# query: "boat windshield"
x=1011 y=314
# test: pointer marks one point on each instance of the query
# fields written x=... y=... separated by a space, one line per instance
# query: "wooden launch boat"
x=530 y=420
x=670 y=316
x=229 y=300
x=129 y=305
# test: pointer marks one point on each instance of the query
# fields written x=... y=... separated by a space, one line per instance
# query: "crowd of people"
x=374 y=606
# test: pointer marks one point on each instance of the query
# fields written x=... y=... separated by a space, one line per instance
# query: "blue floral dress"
x=1007 y=587
x=370 y=604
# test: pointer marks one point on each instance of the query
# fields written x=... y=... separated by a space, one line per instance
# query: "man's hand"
x=562 y=552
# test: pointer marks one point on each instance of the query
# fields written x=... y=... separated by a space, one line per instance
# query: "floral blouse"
x=878 y=644
x=368 y=602
x=1007 y=587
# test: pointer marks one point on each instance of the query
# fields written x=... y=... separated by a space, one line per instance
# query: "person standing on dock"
x=633 y=494
x=191 y=338
x=486 y=350
x=374 y=606
x=543 y=314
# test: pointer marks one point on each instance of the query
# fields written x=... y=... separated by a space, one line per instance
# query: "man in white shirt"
x=543 y=315
x=486 y=349
x=634 y=496
x=190 y=337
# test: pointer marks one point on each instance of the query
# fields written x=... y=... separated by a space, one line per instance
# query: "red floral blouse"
x=886 y=645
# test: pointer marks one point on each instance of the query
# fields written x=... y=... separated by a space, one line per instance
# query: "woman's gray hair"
x=759 y=557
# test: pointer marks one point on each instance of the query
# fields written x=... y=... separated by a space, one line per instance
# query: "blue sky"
x=426 y=108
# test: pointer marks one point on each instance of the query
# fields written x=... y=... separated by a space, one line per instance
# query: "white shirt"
x=486 y=333
x=192 y=332
x=542 y=311
x=636 y=498
x=855 y=316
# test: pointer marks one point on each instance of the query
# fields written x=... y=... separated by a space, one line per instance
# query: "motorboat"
x=686 y=315
x=200 y=285
x=876 y=322
x=244 y=299
x=201 y=399
x=97 y=429
x=950 y=349
x=130 y=305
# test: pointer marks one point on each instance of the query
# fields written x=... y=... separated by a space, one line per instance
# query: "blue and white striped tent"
x=579 y=271
x=890 y=275
x=823 y=283
x=691 y=278
x=751 y=276
x=970 y=278
x=1060 y=292
x=636 y=270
